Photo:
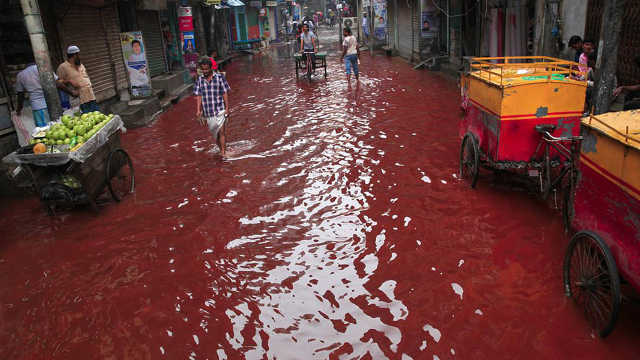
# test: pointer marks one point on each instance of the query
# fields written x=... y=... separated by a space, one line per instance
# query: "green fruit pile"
x=70 y=181
x=74 y=130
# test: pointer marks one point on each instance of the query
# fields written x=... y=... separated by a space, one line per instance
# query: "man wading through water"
x=212 y=101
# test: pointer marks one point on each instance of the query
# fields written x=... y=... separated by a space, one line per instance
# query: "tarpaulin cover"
x=80 y=155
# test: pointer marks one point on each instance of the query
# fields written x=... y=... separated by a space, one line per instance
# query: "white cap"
x=73 y=50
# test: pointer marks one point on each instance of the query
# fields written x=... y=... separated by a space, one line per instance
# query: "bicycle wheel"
x=591 y=278
x=119 y=174
x=469 y=160
x=309 y=67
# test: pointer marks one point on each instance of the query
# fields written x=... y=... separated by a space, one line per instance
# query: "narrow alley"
x=337 y=228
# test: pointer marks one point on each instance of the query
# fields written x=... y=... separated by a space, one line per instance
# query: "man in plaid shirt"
x=212 y=101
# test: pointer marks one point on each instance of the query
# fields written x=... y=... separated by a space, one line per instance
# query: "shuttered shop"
x=149 y=24
x=83 y=26
x=404 y=30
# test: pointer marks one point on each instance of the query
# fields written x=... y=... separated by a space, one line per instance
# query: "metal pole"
x=371 y=28
x=33 y=22
x=395 y=25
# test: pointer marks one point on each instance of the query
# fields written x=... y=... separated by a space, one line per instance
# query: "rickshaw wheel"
x=119 y=174
x=591 y=279
x=469 y=160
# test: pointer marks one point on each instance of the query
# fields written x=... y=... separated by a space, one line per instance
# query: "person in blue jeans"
x=350 y=53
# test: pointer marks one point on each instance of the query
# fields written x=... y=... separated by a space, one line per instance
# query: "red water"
x=337 y=229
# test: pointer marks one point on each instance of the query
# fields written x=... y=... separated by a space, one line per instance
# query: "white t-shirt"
x=352 y=44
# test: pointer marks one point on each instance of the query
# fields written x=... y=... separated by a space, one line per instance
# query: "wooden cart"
x=62 y=180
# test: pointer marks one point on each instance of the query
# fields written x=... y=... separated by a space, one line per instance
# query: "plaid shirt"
x=211 y=92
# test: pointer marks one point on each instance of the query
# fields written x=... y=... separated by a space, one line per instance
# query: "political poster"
x=380 y=19
x=430 y=24
x=188 y=42
x=135 y=60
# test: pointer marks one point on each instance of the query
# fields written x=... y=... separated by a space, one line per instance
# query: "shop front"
x=255 y=19
x=272 y=20
x=239 y=24
x=96 y=31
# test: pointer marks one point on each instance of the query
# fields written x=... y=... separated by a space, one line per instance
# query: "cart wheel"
x=469 y=160
x=591 y=279
x=119 y=175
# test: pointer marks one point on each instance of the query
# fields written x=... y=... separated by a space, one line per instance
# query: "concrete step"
x=168 y=81
x=159 y=93
x=182 y=91
x=136 y=113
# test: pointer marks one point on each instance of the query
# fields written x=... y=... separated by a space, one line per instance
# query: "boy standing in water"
x=212 y=104
x=350 y=53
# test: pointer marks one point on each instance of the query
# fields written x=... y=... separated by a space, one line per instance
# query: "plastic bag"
x=24 y=125
x=80 y=155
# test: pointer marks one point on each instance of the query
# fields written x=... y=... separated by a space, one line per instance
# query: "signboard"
x=135 y=60
x=185 y=19
x=213 y=2
x=272 y=3
x=255 y=4
x=380 y=19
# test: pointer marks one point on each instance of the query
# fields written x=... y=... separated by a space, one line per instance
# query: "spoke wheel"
x=591 y=279
x=469 y=160
x=120 y=177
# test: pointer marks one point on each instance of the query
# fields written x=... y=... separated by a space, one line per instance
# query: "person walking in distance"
x=212 y=104
x=350 y=53
x=73 y=72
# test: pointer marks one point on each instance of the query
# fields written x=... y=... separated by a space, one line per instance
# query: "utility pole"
x=371 y=28
x=611 y=25
x=33 y=22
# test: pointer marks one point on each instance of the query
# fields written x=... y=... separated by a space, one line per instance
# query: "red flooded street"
x=337 y=229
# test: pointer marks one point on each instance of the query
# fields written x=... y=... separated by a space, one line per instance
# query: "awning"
x=235 y=3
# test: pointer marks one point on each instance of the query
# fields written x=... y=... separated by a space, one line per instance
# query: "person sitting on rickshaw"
x=308 y=44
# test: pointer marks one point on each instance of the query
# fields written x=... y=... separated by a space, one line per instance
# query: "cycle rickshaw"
x=301 y=65
x=605 y=212
x=522 y=114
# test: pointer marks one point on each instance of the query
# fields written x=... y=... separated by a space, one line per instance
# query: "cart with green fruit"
x=74 y=160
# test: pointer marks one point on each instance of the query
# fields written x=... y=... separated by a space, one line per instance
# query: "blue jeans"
x=89 y=106
x=351 y=61
x=41 y=117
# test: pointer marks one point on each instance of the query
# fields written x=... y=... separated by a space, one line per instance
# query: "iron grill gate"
x=149 y=24
x=82 y=26
x=629 y=47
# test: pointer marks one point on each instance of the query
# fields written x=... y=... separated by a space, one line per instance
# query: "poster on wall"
x=135 y=60
x=430 y=24
x=188 y=42
x=380 y=19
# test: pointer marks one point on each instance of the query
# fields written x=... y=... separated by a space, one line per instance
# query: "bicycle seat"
x=542 y=128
